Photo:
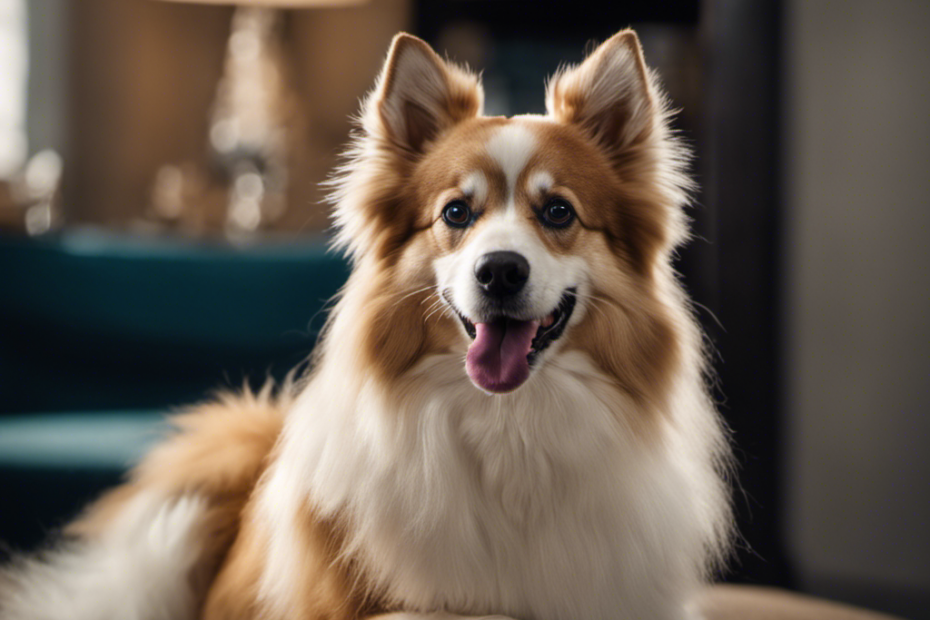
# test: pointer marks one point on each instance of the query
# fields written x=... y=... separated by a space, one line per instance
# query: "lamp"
x=253 y=119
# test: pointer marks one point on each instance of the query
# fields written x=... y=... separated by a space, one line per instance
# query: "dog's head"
x=511 y=240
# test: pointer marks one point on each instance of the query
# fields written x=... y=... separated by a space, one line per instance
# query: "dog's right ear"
x=418 y=96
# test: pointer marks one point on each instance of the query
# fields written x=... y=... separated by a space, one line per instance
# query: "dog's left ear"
x=609 y=95
x=419 y=96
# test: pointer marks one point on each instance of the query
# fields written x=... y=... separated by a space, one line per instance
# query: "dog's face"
x=516 y=227
x=533 y=235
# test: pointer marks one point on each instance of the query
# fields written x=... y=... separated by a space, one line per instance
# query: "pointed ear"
x=419 y=96
x=609 y=95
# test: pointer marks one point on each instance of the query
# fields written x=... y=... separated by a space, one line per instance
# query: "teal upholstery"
x=114 y=331
x=53 y=464
x=92 y=320
x=108 y=441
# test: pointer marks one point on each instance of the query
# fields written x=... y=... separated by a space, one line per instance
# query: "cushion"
x=737 y=602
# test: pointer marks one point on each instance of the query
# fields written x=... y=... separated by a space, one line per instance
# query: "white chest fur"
x=542 y=504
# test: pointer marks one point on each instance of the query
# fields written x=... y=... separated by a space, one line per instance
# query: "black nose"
x=502 y=273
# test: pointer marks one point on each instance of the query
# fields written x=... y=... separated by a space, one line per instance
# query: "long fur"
x=388 y=484
x=148 y=550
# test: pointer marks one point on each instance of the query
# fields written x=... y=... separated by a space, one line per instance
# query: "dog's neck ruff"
x=528 y=503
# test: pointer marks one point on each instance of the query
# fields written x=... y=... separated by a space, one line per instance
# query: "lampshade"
x=279 y=4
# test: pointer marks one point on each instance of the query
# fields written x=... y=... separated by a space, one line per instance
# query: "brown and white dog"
x=507 y=414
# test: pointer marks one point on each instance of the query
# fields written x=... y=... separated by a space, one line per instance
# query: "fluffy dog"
x=506 y=415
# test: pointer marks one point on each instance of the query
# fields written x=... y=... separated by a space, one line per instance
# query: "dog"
x=507 y=414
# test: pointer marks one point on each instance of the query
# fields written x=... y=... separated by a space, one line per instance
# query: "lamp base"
x=254 y=120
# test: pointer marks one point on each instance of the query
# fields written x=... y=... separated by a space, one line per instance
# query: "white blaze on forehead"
x=475 y=186
x=540 y=182
x=511 y=147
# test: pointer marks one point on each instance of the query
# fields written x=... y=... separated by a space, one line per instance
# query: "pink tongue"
x=496 y=360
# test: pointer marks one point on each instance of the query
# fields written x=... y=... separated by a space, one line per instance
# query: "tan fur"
x=456 y=93
x=233 y=595
x=400 y=322
x=218 y=452
x=329 y=589
x=644 y=348
x=574 y=95
x=396 y=134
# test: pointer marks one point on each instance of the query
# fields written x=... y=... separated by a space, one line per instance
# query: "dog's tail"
x=149 y=549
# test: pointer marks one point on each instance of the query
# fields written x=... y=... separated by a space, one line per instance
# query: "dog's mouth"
x=504 y=349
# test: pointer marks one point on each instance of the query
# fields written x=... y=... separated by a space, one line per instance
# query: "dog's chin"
x=505 y=349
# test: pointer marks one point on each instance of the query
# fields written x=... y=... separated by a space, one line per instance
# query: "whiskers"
x=595 y=302
x=437 y=305
x=438 y=308
x=435 y=288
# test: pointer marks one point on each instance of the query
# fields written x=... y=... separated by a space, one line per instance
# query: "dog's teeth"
x=549 y=320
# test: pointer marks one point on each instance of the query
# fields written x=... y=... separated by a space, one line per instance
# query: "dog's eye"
x=457 y=214
x=557 y=213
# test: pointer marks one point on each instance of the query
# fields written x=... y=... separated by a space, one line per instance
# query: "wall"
x=857 y=172
x=48 y=71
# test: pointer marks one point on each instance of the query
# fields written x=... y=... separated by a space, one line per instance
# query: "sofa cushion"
x=736 y=602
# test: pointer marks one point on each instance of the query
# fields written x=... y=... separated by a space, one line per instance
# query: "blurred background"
x=161 y=235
